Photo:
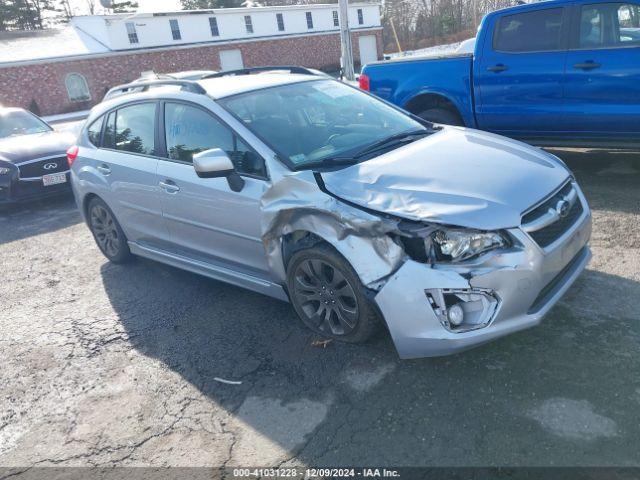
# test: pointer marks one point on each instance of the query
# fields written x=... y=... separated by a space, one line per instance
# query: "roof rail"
x=272 y=68
x=136 y=87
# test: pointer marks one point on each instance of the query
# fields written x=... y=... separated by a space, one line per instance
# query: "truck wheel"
x=441 y=115
x=107 y=232
x=327 y=295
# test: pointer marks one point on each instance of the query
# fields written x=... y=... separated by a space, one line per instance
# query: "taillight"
x=72 y=154
x=363 y=81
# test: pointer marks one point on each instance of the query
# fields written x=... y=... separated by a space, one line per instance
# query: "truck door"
x=519 y=72
x=602 y=91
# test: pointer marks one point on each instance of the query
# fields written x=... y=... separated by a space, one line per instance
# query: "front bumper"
x=19 y=190
x=527 y=281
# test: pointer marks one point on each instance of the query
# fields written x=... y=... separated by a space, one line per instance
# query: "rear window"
x=537 y=31
x=135 y=130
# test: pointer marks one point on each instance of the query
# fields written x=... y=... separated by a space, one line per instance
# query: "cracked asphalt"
x=104 y=365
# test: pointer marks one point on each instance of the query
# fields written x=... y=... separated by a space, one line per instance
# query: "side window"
x=94 y=131
x=134 y=129
x=629 y=24
x=609 y=25
x=592 y=26
x=190 y=130
x=537 y=31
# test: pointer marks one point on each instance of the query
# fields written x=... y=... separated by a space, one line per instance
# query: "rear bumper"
x=526 y=282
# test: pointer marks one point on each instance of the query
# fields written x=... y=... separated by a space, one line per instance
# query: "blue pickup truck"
x=557 y=72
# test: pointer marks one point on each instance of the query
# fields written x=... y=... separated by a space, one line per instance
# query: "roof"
x=303 y=6
x=221 y=87
x=50 y=43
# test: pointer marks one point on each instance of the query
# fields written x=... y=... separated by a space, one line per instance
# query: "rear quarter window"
x=537 y=31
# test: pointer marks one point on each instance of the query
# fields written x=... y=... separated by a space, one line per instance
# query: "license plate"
x=54 y=179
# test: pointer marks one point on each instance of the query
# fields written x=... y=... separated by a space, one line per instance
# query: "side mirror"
x=215 y=163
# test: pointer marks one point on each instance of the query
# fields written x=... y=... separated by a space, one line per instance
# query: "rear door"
x=208 y=220
x=602 y=92
x=127 y=163
x=519 y=75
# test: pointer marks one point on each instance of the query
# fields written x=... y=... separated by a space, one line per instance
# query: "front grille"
x=547 y=204
x=546 y=236
x=545 y=225
x=37 y=168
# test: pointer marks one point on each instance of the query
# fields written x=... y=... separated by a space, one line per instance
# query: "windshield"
x=18 y=122
x=319 y=123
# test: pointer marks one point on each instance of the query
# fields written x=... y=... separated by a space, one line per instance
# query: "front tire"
x=107 y=232
x=327 y=295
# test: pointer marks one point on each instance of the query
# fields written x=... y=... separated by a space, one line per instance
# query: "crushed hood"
x=27 y=147
x=456 y=176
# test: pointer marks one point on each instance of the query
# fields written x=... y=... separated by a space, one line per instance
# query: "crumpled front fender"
x=295 y=203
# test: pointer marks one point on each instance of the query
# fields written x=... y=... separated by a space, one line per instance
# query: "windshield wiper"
x=389 y=140
x=328 y=162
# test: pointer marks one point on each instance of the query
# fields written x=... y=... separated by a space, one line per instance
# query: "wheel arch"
x=426 y=100
x=85 y=205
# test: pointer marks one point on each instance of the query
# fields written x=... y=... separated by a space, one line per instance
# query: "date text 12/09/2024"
x=309 y=473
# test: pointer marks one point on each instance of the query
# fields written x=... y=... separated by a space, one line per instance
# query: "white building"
x=70 y=69
x=148 y=30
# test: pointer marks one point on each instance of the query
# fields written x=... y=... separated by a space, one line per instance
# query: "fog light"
x=455 y=314
x=462 y=309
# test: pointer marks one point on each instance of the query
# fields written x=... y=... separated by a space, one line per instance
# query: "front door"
x=519 y=75
x=208 y=220
x=127 y=162
x=602 y=93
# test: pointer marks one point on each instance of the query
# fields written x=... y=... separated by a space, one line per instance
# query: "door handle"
x=497 y=68
x=588 y=65
x=104 y=169
x=169 y=186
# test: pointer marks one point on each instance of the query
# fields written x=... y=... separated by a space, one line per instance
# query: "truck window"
x=537 y=31
x=609 y=25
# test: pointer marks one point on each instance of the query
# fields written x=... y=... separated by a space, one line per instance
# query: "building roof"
x=103 y=34
x=40 y=44
x=242 y=10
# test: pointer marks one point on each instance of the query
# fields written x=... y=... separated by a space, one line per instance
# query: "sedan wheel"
x=328 y=297
x=107 y=232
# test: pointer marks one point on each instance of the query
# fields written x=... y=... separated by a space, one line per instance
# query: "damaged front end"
x=439 y=289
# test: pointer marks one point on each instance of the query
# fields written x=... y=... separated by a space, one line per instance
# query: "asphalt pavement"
x=125 y=365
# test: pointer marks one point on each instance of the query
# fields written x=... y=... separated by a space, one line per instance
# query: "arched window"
x=77 y=88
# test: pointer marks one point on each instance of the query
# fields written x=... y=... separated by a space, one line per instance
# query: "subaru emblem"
x=562 y=208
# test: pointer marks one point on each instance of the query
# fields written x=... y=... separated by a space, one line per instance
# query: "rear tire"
x=107 y=232
x=327 y=295
x=441 y=115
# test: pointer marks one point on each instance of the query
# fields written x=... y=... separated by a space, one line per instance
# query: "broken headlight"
x=457 y=245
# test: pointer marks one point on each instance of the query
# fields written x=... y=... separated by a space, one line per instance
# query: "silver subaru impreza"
x=311 y=191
